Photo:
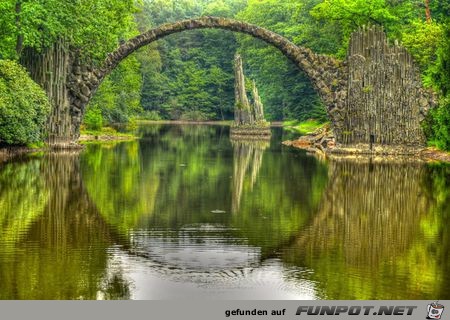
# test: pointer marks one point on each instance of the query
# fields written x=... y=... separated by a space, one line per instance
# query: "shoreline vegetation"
x=206 y=122
x=305 y=128
x=105 y=134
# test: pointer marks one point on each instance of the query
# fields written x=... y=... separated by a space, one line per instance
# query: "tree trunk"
x=19 y=40
x=427 y=11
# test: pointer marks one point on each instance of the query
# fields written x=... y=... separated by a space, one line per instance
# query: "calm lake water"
x=183 y=213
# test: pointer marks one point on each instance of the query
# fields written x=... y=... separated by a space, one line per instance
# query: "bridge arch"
x=312 y=64
x=325 y=73
x=373 y=98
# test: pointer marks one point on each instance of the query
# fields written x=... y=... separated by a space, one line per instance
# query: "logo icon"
x=435 y=310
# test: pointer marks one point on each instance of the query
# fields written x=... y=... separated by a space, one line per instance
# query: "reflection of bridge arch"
x=366 y=239
x=79 y=253
x=205 y=259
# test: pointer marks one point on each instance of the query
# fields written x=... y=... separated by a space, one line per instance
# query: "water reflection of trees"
x=145 y=187
x=374 y=235
x=22 y=199
x=61 y=252
x=247 y=157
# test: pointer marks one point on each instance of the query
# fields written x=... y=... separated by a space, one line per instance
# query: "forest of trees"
x=190 y=75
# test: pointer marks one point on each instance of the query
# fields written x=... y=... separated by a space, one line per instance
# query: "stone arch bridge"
x=373 y=96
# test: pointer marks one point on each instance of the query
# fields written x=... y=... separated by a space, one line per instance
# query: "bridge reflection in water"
x=56 y=242
x=374 y=231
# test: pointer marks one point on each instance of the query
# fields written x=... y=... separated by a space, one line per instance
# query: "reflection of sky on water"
x=151 y=281
x=200 y=247
x=209 y=266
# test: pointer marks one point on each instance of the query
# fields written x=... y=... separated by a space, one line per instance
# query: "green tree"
x=93 y=26
x=23 y=106
x=440 y=118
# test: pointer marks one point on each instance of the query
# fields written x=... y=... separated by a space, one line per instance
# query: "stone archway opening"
x=84 y=80
x=374 y=98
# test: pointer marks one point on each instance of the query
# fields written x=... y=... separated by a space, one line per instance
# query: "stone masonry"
x=374 y=96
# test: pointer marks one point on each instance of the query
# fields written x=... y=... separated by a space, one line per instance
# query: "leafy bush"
x=24 y=106
x=194 y=115
x=441 y=124
x=131 y=125
x=440 y=76
x=109 y=131
x=93 y=119
x=152 y=115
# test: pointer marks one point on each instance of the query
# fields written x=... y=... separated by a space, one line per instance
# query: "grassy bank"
x=303 y=127
x=104 y=134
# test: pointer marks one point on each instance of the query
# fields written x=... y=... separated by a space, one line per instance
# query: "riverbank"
x=433 y=154
x=104 y=135
x=303 y=127
x=9 y=152
x=321 y=141
x=429 y=154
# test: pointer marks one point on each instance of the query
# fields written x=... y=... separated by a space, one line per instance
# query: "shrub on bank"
x=93 y=119
x=194 y=115
x=152 y=115
x=24 y=106
x=441 y=126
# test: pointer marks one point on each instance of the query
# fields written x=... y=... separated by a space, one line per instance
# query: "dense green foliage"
x=94 y=26
x=441 y=77
x=190 y=75
x=23 y=106
x=118 y=98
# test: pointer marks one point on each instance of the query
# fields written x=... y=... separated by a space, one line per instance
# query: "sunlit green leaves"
x=23 y=106
x=422 y=39
x=95 y=26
